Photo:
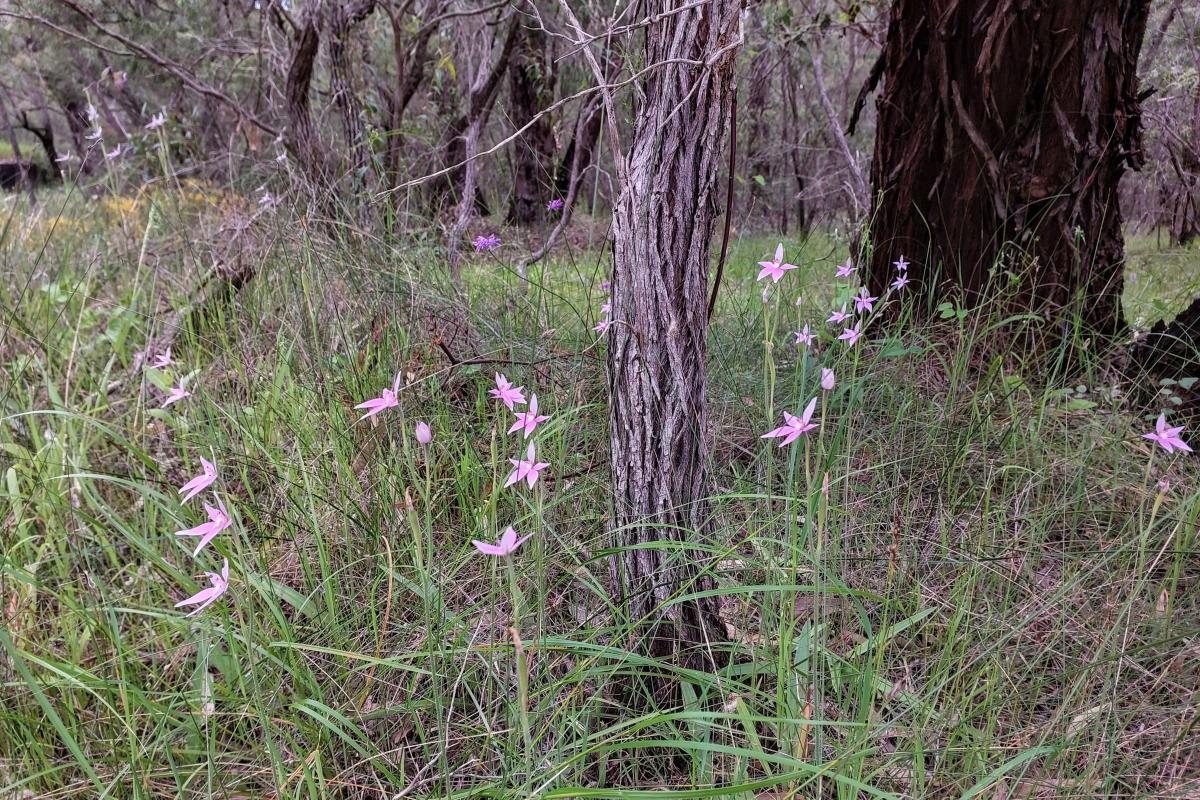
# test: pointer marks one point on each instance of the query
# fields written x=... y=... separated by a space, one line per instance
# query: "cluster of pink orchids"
x=219 y=518
x=796 y=426
x=527 y=469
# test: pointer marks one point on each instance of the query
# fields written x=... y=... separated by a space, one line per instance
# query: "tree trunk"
x=1003 y=131
x=301 y=135
x=760 y=143
x=340 y=20
x=662 y=229
x=530 y=89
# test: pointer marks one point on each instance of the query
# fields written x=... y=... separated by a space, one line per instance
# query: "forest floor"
x=997 y=597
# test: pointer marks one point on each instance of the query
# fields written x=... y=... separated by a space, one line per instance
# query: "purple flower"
x=486 y=244
x=423 y=433
x=506 y=393
x=805 y=337
x=527 y=469
x=219 y=583
x=775 y=268
x=845 y=270
x=838 y=317
x=1167 y=438
x=827 y=379
x=201 y=482
x=850 y=335
x=505 y=547
x=794 y=427
x=387 y=399
x=901 y=281
x=863 y=300
x=901 y=265
x=555 y=205
x=529 y=419
x=218 y=520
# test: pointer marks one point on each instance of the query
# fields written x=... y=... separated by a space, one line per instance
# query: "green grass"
x=995 y=597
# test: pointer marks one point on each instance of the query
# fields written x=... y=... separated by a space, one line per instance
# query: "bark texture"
x=662 y=230
x=1004 y=129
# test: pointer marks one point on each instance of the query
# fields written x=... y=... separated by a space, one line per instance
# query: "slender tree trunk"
x=759 y=165
x=1004 y=130
x=530 y=89
x=662 y=229
x=340 y=20
x=301 y=135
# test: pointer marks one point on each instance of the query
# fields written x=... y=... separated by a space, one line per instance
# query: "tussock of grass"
x=997 y=598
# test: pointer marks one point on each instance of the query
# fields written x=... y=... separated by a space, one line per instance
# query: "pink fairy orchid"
x=838 y=317
x=845 y=270
x=602 y=325
x=423 y=433
x=555 y=205
x=157 y=121
x=218 y=520
x=901 y=265
x=794 y=427
x=506 y=546
x=387 y=399
x=850 y=335
x=115 y=153
x=863 y=300
x=804 y=337
x=606 y=308
x=529 y=419
x=775 y=269
x=1167 y=438
x=827 y=379
x=175 y=394
x=162 y=360
x=94 y=135
x=486 y=243
x=64 y=157
x=506 y=393
x=901 y=281
x=528 y=469
x=199 y=483
x=206 y=597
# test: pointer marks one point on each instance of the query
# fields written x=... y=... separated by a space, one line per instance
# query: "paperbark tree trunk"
x=662 y=229
x=1003 y=131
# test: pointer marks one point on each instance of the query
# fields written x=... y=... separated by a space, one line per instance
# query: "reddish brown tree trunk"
x=530 y=90
x=662 y=229
x=1003 y=131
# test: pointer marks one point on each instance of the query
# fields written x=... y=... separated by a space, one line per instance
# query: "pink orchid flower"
x=175 y=394
x=606 y=309
x=845 y=270
x=115 y=153
x=850 y=335
x=506 y=393
x=162 y=360
x=555 y=205
x=529 y=419
x=423 y=433
x=201 y=482
x=794 y=427
x=528 y=469
x=387 y=399
x=863 y=300
x=64 y=157
x=157 y=121
x=827 y=379
x=1167 y=438
x=218 y=520
x=901 y=265
x=901 y=281
x=838 y=317
x=507 y=545
x=602 y=325
x=805 y=337
x=206 y=597
x=775 y=269
x=94 y=136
